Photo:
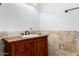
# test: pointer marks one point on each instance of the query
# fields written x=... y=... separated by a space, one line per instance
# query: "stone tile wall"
x=63 y=43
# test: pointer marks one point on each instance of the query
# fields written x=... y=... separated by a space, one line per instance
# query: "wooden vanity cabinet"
x=27 y=47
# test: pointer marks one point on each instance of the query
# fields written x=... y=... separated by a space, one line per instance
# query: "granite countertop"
x=16 y=38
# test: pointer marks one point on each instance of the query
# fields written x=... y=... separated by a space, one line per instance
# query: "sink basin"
x=30 y=36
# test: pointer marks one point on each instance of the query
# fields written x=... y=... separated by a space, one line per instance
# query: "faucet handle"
x=22 y=33
x=27 y=32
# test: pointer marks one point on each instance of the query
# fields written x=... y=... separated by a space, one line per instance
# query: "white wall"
x=16 y=17
x=53 y=17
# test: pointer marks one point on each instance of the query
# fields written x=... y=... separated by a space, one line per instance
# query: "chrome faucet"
x=27 y=32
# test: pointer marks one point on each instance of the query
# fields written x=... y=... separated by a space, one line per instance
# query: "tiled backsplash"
x=60 y=43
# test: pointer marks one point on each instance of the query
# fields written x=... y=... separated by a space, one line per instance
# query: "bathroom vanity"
x=26 y=46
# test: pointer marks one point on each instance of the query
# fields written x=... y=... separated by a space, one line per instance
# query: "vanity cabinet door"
x=9 y=49
x=12 y=49
x=24 y=48
x=40 y=46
